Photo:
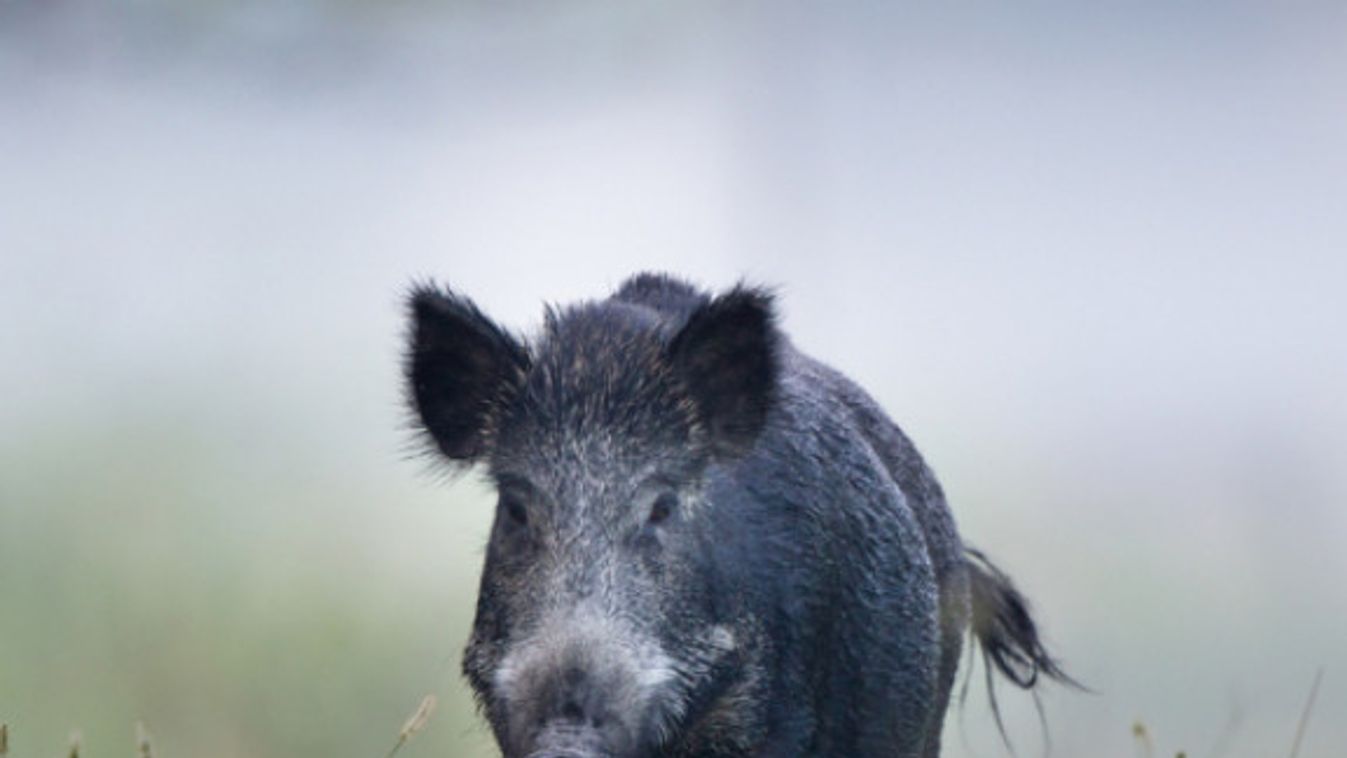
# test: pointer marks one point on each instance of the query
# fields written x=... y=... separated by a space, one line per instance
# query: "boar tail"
x=1006 y=633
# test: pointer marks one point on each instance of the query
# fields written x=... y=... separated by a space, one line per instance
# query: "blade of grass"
x=415 y=723
x=1305 y=715
x=1143 y=738
x=143 y=741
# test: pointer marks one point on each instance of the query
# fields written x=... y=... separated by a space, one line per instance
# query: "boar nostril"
x=571 y=711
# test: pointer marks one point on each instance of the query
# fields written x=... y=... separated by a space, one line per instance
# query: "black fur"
x=1006 y=634
x=460 y=370
x=726 y=355
x=662 y=293
x=707 y=543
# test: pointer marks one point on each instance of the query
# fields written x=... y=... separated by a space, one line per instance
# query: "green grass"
x=266 y=600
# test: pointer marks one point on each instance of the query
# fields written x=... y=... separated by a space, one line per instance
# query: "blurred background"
x=1091 y=256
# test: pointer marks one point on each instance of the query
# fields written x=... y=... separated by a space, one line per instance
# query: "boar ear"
x=726 y=355
x=460 y=368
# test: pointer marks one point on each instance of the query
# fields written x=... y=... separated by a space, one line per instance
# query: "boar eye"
x=514 y=508
x=662 y=508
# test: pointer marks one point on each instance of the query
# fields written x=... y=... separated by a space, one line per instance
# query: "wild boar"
x=706 y=543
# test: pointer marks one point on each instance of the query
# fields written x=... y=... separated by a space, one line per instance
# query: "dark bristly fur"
x=726 y=352
x=706 y=544
x=1004 y=628
x=1006 y=634
x=459 y=364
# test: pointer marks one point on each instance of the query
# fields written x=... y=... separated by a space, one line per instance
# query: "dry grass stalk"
x=1143 y=738
x=143 y=741
x=415 y=723
x=1305 y=715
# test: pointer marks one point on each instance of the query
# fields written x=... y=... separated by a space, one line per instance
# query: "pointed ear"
x=726 y=355
x=460 y=369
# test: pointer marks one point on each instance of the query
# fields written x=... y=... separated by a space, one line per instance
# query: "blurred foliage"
x=138 y=590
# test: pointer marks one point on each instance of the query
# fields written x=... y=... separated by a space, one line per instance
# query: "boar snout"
x=584 y=689
x=565 y=743
x=576 y=726
x=574 y=700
